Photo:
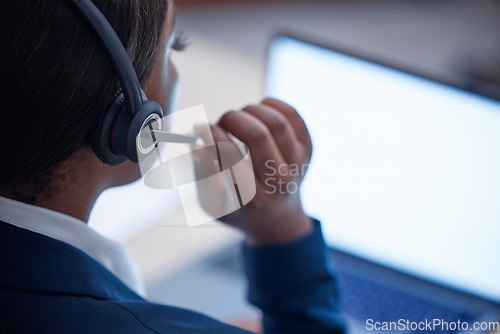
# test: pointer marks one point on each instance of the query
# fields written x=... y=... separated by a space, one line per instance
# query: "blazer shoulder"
x=33 y=312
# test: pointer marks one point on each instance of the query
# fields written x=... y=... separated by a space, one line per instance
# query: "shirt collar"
x=110 y=254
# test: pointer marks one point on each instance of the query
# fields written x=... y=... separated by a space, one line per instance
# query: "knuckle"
x=258 y=136
x=279 y=105
x=271 y=101
x=278 y=123
x=227 y=117
x=250 y=107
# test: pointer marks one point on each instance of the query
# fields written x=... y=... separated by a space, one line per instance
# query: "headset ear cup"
x=102 y=136
x=130 y=145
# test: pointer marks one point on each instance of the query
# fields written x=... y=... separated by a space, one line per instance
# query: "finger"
x=295 y=120
x=282 y=131
x=204 y=162
x=207 y=159
x=212 y=191
x=231 y=157
x=229 y=153
x=264 y=151
x=204 y=131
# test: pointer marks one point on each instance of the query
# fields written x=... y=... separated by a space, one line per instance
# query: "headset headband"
x=117 y=138
x=116 y=53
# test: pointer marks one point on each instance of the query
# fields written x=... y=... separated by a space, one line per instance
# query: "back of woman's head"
x=56 y=81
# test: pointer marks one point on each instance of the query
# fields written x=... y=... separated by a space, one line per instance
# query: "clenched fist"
x=280 y=149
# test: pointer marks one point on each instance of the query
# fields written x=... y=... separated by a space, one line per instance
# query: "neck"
x=75 y=201
x=76 y=184
x=73 y=188
x=77 y=204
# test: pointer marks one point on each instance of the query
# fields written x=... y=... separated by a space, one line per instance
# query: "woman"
x=57 y=275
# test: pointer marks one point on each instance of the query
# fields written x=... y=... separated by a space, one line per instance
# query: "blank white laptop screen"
x=405 y=170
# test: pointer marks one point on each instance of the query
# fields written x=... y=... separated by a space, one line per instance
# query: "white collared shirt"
x=112 y=255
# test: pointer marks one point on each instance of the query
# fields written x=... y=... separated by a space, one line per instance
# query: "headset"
x=132 y=126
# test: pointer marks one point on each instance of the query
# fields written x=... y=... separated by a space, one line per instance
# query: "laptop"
x=404 y=178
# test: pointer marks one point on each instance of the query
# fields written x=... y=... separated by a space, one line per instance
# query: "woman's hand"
x=280 y=150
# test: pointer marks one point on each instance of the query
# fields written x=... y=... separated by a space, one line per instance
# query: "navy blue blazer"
x=48 y=286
